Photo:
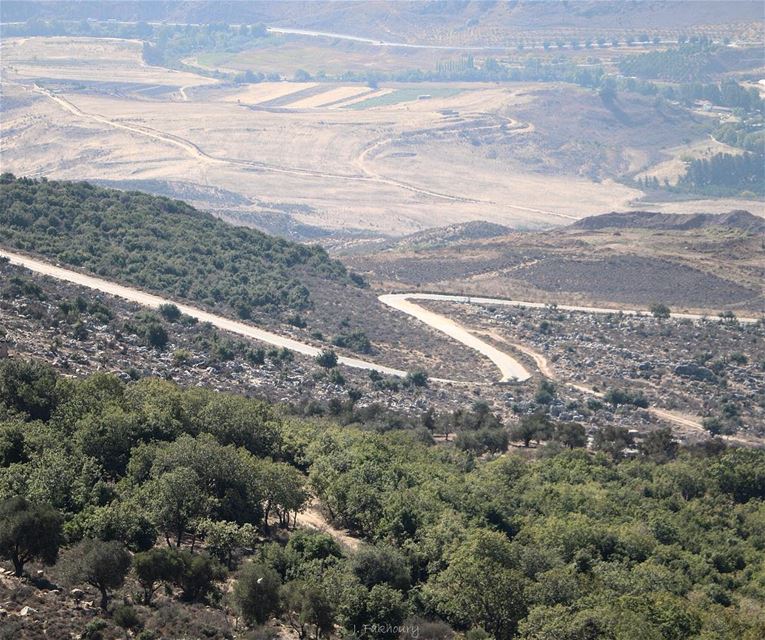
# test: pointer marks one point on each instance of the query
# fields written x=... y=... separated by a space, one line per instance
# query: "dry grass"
x=391 y=169
x=674 y=167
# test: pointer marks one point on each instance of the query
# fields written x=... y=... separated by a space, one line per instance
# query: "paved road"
x=150 y=300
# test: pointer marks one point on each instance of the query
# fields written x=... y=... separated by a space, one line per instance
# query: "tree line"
x=726 y=173
x=145 y=488
x=161 y=245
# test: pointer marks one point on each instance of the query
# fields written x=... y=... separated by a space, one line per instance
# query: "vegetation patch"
x=404 y=95
x=161 y=245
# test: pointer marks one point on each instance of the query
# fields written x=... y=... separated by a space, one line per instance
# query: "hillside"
x=187 y=500
x=463 y=22
x=160 y=244
x=703 y=261
x=742 y=220
x=169 y=248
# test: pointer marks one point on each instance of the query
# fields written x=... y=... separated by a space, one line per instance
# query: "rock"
x=696 y=372
x=77 y=594
x=26 y=611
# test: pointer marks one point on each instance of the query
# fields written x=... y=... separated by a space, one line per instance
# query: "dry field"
x=330 y=158
x=698 y=271
x=674 y=167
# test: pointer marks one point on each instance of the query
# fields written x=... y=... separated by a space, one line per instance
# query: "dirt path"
x=363 y=159
x=150 y=300
x=312 y=518
x=403 y=303
x=509 y=367
x=445 y=297
x=197 y=153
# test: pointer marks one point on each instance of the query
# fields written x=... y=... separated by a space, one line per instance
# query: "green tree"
x=256 y=593
x=127 y=617
x=661 y=311
x=12 y=447
x=571 y=434
x=535 y=426
x=198 y=575
x=243 y=422
x=29 y=387
x=372 y=614
x=381 y=564
x=28 y=532
x=417 y=378
x=177 y=500
x=308 y=608
x=613 y=440
x=223 y=538
x=154 y=567
x=545 y=393
x=102 y=565
x=482 y=586
x=170 y=312
x=156 y=335
x=327 y=359
x=659 y=445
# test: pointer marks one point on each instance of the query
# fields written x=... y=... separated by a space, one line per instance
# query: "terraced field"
x=315 y=158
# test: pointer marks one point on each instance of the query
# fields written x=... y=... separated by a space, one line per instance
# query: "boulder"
x=695 y=372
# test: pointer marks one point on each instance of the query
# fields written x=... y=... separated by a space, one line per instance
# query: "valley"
x=412 y=320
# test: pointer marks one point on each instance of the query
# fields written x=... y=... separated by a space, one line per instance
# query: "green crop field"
x=404 y=95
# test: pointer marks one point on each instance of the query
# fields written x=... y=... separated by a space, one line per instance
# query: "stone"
x=695 y=372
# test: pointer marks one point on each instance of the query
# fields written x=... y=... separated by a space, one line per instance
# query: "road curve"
x=510 y=368
x=393 y=298
x=402 y=302
x=150 y=300
x=197 y=153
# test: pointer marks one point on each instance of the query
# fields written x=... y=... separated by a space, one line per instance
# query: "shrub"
x=327 y=359
x=28 y=532
x=417 y=378
x=170 y=312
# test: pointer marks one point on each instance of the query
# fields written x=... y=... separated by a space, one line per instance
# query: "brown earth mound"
x=742 y=220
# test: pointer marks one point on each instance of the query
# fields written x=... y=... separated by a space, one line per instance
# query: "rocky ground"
x=79 y=331
x=706 y=370
x=709 y=369
x=39 y=607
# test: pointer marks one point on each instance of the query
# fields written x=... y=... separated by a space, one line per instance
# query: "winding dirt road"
x=402 y=302
x=150 y=300
x=510 y=368
x=391 y=299
x=196 y=152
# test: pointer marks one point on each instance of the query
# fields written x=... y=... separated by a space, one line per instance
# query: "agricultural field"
x=325 y=159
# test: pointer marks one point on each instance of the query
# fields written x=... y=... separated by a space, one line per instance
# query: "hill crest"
x=737 y=219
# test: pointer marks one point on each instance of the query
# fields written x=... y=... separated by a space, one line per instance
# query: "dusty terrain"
x=708 y=269
x=312 y=159
x=687 y=369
